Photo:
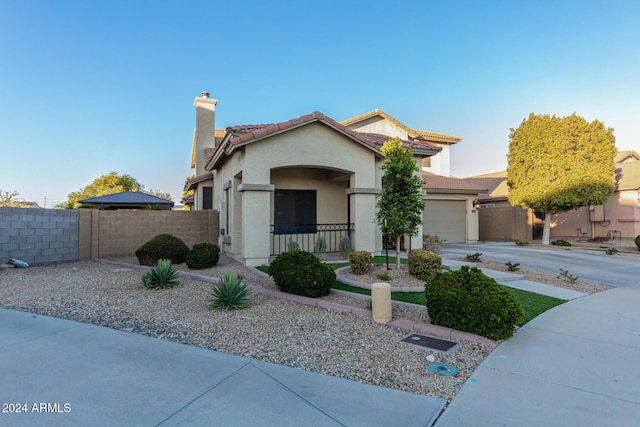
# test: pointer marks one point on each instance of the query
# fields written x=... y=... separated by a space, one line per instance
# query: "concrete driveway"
x=595 y=267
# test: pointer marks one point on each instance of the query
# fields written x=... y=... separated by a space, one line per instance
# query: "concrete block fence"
x=49 y=236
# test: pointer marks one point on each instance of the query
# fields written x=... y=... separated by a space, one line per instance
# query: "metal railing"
x=305 y=236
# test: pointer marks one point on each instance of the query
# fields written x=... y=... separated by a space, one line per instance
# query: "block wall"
x=38 y=236
x=107 y=234
x=49 y=236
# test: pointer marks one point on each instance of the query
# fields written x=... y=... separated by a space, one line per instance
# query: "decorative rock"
x=381 y=302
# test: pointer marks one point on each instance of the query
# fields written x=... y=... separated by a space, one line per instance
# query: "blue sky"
x=87 y=87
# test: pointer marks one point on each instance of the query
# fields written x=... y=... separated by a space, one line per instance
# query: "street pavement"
x=591 y=266
x=56 y=372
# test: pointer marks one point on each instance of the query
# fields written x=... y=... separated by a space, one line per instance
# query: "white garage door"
x=445 y=219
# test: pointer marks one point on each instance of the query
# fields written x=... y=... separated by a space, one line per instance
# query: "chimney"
x=205 y=127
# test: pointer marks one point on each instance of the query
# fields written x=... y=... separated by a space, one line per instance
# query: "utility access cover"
x=431 y=343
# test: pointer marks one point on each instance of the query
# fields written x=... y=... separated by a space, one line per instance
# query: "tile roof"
x=413 y=133
x=496 y=186
x=244 y=134
x=191 y=184
x=437 y=184
x=218 y=136
x=135 y=197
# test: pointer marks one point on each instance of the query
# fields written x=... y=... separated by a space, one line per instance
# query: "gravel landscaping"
x=287 y=333
x=339 y=344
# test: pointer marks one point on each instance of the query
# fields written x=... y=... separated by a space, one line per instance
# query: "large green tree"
x=109 y=183
x=557 y=164
x=400 y=205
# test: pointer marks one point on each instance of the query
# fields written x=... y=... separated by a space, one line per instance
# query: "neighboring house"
x=297 y=180
x=127 y=200
x=618 y=217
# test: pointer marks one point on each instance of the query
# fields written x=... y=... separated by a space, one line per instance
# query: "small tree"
x=557 y=164
x=400 y=206
x=8 y=198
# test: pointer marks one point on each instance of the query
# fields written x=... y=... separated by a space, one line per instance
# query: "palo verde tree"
x=109 y=183
x=557 y=164
x=400 y=205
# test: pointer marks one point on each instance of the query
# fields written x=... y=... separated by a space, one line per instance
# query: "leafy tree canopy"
x=109 y=183
x=400 y=205
x=557 y=164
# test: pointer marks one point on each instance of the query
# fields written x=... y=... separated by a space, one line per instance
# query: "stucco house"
x=299 y=180
x=618 y=217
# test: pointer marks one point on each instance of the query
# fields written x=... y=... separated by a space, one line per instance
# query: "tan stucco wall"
x=622 y=211
x=380 y=126
x=314 y=149
x=197 y=194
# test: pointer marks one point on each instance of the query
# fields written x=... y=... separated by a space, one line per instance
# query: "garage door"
x=445 y=219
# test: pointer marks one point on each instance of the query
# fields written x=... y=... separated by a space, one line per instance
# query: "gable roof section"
x=191 y=184
x=237 y=136
x=420 y=135
x=444 y=184
x=496 y=185
x=627 y=156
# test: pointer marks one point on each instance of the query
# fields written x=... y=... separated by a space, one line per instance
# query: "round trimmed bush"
x=637 y=242
x=203 y=255
x=163 y=246
x=469 y=301
x=424 y=264
x=302 y=273
x=360 y=262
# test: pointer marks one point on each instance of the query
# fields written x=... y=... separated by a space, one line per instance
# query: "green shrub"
x=320 y=246
x=360 y=262
x=302 y=273
x=560 y=242
x=345 y=246
x=432 y=243
x=203 y=255
x=469 y=301
x=474 y=257
x=637 y=241
x=230 y=293
x=424 y=264
x=568 y=276
x=162 y=276
x=383 y=276
x=163 y=246
x=521 y=243
x=611 y=251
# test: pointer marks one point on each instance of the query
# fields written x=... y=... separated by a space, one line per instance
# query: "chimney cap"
x=205 y=94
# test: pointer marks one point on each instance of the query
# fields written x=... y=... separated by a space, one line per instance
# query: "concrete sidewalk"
x=576 y=364
x=67 y=373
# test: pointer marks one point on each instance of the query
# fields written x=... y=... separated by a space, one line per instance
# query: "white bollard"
x=381 y=302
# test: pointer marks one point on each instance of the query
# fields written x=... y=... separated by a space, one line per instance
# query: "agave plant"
x=162 y=276
x=230 y=293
